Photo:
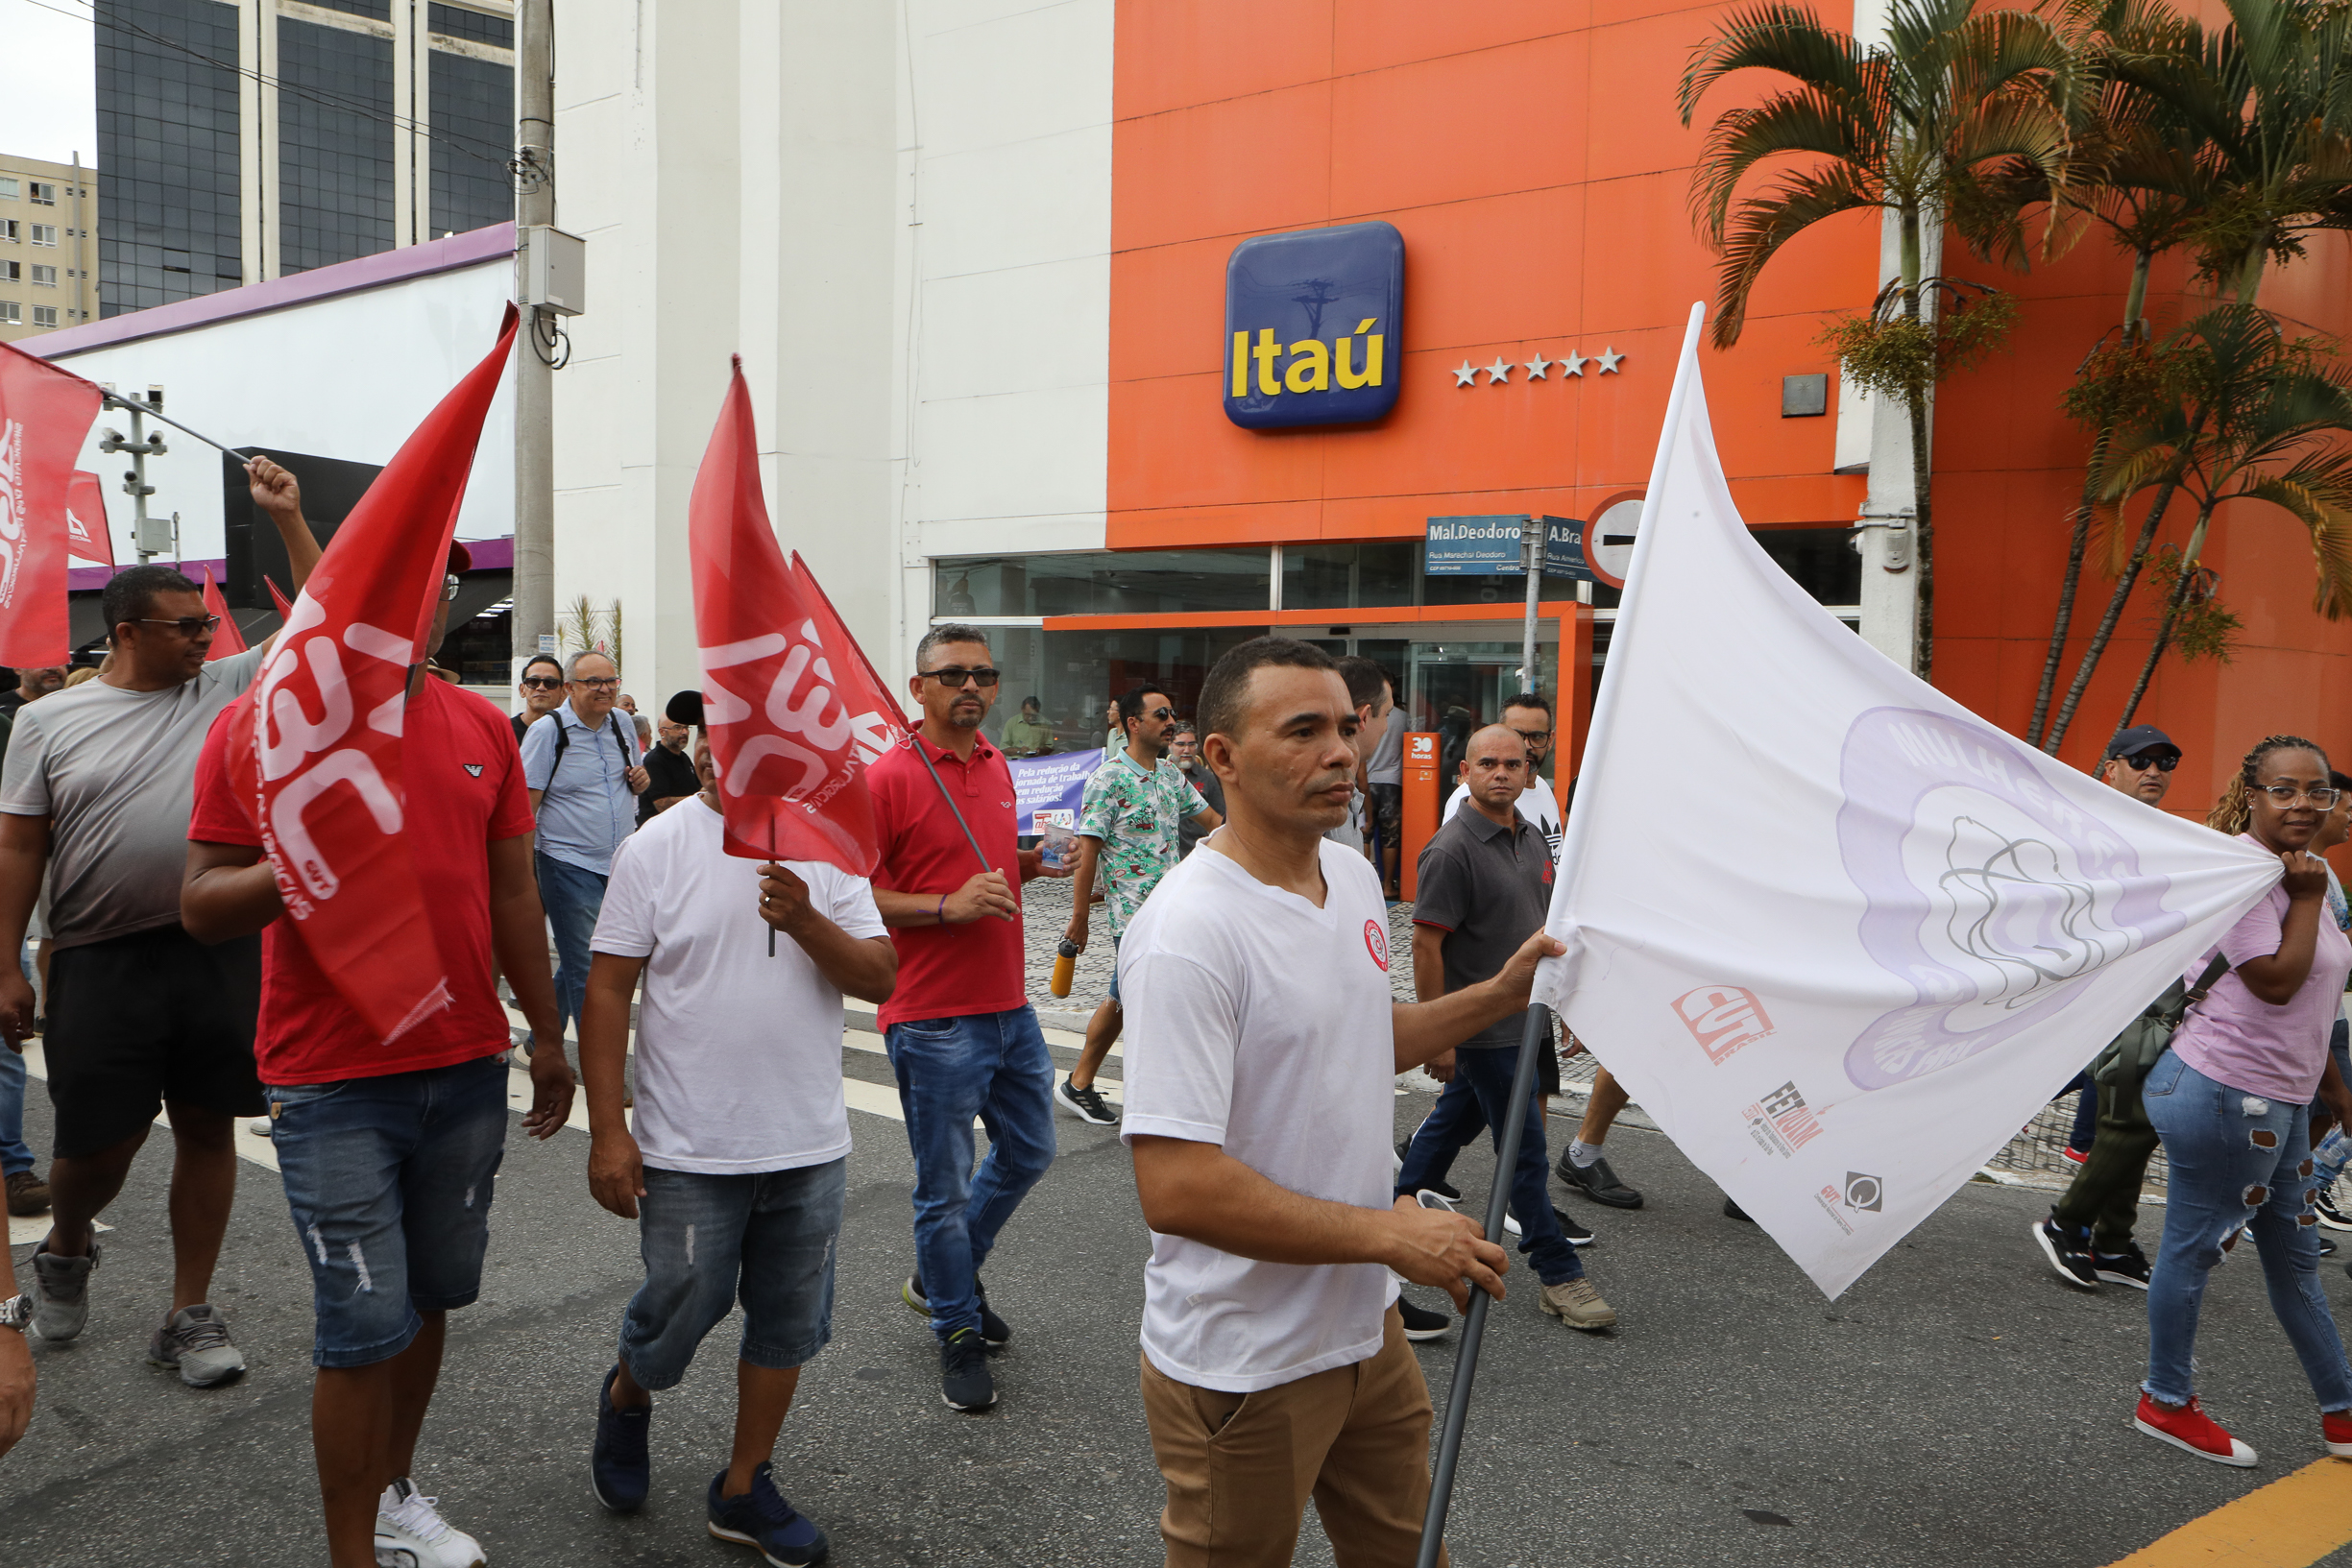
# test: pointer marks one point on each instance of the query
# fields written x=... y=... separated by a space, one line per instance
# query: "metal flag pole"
x=1474 y=1321
x=116 y=399
x=914 y=738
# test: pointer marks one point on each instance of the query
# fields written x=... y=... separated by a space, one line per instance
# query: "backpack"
x=562 y=738
x=2129 y=1056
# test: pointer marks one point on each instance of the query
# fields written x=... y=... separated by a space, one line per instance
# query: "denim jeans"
x=1484 y=1075
x=950 y=1070
x=573 y=899
x=389 y=1180
x=765 y=1237
x=15 y=1154
x=2235 y=1157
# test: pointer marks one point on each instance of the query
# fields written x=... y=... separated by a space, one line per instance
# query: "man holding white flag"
x=1916 y=920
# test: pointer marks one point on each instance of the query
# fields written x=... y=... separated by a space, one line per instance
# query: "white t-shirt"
x=1538 y=806
x=738 y=1054
x=1260 y=1023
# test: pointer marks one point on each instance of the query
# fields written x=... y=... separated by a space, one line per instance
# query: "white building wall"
x=901 y=218
x=347 y=377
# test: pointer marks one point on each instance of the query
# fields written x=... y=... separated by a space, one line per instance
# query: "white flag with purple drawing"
x=1840 y=936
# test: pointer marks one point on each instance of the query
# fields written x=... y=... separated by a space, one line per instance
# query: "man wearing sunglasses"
x=1127 y=833
x=542 y=690
x=141 y=1016
x=2087 y=1238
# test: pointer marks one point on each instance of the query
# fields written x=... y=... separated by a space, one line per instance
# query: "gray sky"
x=48 y=87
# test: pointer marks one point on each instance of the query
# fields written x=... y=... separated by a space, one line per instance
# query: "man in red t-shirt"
x=961 y=1035
x=388 y=1151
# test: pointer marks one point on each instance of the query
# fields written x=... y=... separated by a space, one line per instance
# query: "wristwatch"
x=17 y=1313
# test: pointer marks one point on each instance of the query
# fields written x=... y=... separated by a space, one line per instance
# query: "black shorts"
x=1547 y=1067
x=136 y=1021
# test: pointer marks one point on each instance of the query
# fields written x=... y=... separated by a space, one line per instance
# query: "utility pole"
x=534 y=613
x=150 y=536
x=1530 y=552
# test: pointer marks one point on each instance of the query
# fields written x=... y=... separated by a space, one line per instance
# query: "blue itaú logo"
x=1312 y=327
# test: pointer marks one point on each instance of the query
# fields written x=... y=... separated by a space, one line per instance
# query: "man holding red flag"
x=94 y=793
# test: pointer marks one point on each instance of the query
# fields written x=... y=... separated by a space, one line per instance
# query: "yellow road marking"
x=2292 y=1523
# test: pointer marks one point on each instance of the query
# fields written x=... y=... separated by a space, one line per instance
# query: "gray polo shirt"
x=1488 y=887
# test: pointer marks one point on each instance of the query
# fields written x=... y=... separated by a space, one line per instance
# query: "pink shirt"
x=2235 y=1038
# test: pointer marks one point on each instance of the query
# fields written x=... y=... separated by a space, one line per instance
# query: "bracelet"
x=940 y=913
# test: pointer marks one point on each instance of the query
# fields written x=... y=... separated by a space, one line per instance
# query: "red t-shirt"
x=462 y=786
x=948 y=971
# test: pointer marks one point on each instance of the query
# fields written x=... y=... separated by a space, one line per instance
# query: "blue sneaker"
x=761 y=1518
x=617 y=1468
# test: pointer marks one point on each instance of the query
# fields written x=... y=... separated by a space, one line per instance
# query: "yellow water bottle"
x=1065 y=965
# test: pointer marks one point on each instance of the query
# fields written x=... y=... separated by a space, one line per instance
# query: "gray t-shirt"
x=114 y=771
x=1488 y=889
x=1387 y=763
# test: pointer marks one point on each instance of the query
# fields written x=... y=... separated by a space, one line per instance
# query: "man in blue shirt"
x=582 y=766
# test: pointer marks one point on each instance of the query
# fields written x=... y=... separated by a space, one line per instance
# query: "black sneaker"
x=964 y=1382
x=1421 y=1323
x=1577 y=1235
x=763 y=1521
x=619 y=1472
x=2332 y=1213
x=2068 y=1252
x=1445 y=1190
x=1597 y=1182
x=1732 y=1211
x=2129 y=1267
x=1088 y=1105
x=992 y=1328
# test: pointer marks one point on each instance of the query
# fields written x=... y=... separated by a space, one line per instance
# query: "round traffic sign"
x=1609 y=539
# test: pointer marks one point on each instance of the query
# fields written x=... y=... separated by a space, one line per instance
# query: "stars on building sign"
x=1571 y=363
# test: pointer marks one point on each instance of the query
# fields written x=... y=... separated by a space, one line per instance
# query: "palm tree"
x=1908 y=127
x=2232 y=409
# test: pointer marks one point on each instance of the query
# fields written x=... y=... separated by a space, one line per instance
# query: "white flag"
x=1840 y=936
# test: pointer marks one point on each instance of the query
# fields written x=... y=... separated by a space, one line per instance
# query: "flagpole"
x=914 y=738
x=1474 y=1321
x=116 y=399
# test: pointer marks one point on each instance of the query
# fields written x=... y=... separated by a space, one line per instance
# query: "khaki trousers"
x=1240 y=1467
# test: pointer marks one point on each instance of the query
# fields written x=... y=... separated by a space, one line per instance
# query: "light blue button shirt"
x=589 y=808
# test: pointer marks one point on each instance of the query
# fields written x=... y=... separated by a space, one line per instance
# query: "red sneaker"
x=2075 y=1156
x=2190 y=1428
x=2336 y=1426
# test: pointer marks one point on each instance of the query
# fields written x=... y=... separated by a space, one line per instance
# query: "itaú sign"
x=1313 y=326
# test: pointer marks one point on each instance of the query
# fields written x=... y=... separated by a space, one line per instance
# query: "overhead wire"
x=513 y=166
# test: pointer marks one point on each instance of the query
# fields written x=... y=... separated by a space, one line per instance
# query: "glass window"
x=1107 y=583
x=1822 y=560
x=11 y=228
x=457 y=22
x=44 y=233
x=44 y=315
x=167 y=150
x=44 y=277
x=8 y=189
x=11 y=272
x=42 y=193
x=473 y=131
x=334 y=161
x=11 y=314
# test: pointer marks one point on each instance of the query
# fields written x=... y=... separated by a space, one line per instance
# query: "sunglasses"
x=190 y=626
x=1159 y=712
x=543 y=683
x=952 y=676
x=2140 y=763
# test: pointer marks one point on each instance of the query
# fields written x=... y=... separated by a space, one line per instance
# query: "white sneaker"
x=410 y=1534
x=258 y=1127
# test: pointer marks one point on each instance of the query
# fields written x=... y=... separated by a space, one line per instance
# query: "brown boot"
x=27 y=1194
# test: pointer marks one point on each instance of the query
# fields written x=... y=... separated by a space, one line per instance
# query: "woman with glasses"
x=2229 y=1099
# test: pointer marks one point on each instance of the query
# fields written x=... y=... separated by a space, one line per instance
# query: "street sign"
x=1488 y=546
x=1564 y=550
x=1609 y=542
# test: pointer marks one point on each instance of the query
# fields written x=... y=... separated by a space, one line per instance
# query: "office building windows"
x=44 y=277
x=456 y=22
x=44 y=315
x=473 y=131
x=334 y=145
x=167 y=150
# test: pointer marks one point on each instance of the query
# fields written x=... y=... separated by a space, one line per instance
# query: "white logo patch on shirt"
x=475 y=768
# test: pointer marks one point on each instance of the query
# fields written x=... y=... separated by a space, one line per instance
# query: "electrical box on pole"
x=554 y=269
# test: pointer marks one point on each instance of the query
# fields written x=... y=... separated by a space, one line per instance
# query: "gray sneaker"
x=196 y=1342
x=62 y=1292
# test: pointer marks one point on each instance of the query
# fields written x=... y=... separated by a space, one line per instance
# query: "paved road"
x=1958 y=1406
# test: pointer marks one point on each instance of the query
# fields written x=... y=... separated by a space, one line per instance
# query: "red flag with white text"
x=45 y=413
x=790 y=739
x=327 y=713
x=226 y=640
x=86 y=534
x=876 y=720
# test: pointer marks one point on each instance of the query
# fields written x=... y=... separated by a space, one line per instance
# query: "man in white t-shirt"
x=737 y=1171
x=1262 y=1052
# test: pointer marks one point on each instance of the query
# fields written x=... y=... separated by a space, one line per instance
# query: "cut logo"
x=1722 y=1019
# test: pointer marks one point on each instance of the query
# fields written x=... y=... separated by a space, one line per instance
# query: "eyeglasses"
x=2141 y=762
x=190 y=626
x=2286 y=795
x=952 y=676
x=542 y=683
x=599 y=683
x=1534 y=738
x=449 y=588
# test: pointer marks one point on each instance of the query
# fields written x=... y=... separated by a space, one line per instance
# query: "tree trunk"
x=2250 y=272
x=2075 y=543
x=2134 y=301
x=2100 y=638
x=2172 y=613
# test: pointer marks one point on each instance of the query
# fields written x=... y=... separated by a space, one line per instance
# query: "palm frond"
x=1801 y=123
x=1770 y=219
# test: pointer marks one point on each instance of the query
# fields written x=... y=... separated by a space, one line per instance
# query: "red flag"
x=86 y=534
x=791 y=765
x=226 y=640
x=876 y=720
x=277 y=597
x=330 y=785
x=45 y=413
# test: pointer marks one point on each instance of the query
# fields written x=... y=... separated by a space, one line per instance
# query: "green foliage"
x=2204 y=627
x=1895 y=353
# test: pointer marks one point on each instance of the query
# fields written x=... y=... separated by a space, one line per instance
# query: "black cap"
x=2142 y=738
x=686 y=707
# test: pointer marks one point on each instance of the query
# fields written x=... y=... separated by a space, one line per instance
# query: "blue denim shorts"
x=389 y=1180
x=763 y=1237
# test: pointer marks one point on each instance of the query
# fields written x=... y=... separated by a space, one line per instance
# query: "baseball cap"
x=2142 y=738
x=686 y=707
